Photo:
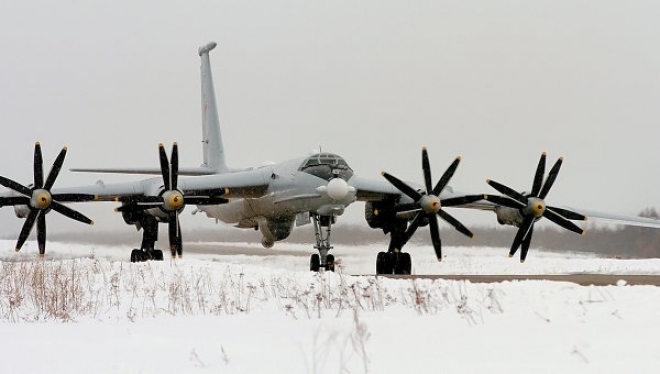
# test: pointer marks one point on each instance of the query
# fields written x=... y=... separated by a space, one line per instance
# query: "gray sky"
x=374 y=81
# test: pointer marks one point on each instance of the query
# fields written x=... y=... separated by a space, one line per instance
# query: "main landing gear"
x=394 y=261
x=149 y=238
x=322 y=228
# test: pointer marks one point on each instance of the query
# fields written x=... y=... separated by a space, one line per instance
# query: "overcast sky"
x=374 y=81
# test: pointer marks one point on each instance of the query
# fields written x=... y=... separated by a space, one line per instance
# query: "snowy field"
x=236 y=308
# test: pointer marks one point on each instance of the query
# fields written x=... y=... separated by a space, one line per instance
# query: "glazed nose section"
x=337 y=189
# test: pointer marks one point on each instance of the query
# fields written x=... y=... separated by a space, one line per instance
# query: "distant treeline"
x=621 y=241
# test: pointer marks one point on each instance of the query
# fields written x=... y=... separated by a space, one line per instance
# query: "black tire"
x=381 y=263
x=314 y=263
x=390 y=262
x=157 y=255
x=330 y=263
x=403 y=264
x=137 y=255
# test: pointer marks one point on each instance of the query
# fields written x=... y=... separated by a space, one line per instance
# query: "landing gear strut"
x=322 y=229
x=149 y=238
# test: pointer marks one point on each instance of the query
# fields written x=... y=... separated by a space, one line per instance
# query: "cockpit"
x=326 y=166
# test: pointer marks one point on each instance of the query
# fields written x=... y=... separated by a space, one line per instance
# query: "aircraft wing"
x=376 y=190
x=232 y=185
x=373 y=190
x=618 y=218
x=201 y=170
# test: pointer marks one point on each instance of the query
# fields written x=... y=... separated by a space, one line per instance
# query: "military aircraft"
x=274 y=198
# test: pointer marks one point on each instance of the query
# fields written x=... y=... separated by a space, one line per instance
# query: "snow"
x=87 y=309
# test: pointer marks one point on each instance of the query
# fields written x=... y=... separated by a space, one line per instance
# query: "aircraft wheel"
x=314 y=263
x=137 y=255
x=381 y=263
x=403 y=264
x=390 y=262
x=157 y=255
x=330 y=263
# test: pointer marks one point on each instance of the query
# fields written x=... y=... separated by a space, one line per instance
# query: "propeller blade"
x=174 y=164
x=38 y=166
x=435 y=237
x=15 y=186
x=55 y=170
x=414 y=225
x=521 y=234
x=14 y=200
x=426 y=167
x=505 y=201
x=568 y=214
x=552 y=176
x=174 y=232
x=538 y=177
x=442 y=183
x=27 y=227
x=179 y=246
x=68 y=212
x=164 y=166
x=74 y=197
x=463 y=200
x=563 y=222
x=507 y=191
x=525 y=245
x=403 y=187
x=41 y=233
x=454 y=222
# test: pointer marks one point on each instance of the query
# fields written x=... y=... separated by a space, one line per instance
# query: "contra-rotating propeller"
x=429 y=204
x=532 y=206
x=39 y=199
x=171 y=200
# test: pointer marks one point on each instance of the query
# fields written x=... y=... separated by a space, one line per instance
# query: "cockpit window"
x=327 y=166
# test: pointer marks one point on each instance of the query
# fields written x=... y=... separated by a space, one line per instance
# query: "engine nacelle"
x=508 y=216
x=382 y=215
x=275 y=230
x=132 y=217
x=21 y=211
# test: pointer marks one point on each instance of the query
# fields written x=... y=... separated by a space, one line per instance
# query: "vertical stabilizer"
x=214 y=152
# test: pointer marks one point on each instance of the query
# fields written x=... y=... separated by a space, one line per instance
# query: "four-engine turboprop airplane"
x=274 y=198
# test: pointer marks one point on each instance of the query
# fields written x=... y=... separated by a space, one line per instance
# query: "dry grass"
x=70 y=290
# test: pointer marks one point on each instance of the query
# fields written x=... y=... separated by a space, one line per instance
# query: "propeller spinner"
x=532 y=207
x=430 y=204
x=39 y=199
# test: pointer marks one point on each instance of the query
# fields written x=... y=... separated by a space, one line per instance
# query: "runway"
x=590 y=276
x=581 y=279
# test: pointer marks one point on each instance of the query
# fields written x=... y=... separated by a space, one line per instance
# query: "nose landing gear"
x=322 y=229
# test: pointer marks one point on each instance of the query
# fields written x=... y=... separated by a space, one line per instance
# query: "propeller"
x=532 y=206
x=429 y=204
x=39 y=199
x=171 y=200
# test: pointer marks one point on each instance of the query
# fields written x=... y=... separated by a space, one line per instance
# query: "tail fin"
x=214 y=152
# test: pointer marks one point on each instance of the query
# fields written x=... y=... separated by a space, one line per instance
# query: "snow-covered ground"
x=86 y=309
